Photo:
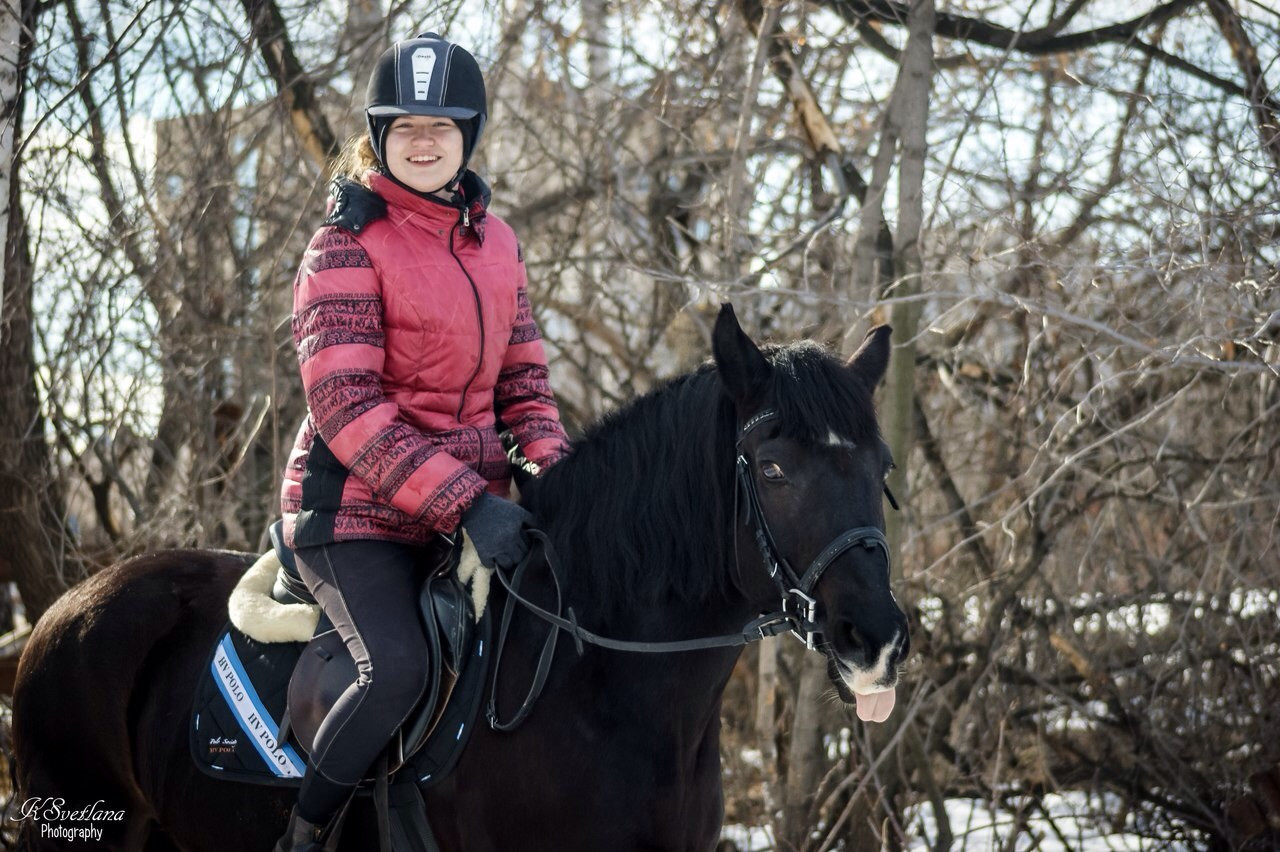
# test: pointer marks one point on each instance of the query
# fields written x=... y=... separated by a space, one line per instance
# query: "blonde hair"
x=356 y=158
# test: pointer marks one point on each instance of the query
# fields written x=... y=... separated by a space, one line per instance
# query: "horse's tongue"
x=875 y=707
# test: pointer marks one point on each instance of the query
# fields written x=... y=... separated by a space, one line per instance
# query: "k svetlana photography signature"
x=56 y=810
x=52 y=813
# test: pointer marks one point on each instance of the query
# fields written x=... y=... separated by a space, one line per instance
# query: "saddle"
x=325 y=668
x=249 y=684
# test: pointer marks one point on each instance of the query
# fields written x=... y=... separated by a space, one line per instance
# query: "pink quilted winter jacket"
x=414 y=335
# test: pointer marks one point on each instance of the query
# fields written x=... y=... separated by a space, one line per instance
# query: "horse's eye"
x=771 y=471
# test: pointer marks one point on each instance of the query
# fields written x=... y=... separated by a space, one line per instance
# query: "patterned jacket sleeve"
x=337 y=327
x=522 y=397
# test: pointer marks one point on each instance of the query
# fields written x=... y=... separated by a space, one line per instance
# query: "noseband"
x=798 y=604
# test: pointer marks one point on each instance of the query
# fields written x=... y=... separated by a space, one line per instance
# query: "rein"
x=797 y=615
x=769 y=624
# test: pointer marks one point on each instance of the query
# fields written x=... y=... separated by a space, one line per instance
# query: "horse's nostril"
x=855 y=649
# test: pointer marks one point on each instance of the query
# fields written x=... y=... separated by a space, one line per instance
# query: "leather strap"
x=382 y=805
x=869 y=536
x=769 y=624
x=410 y=829
x=542 y=551
x=548 y=646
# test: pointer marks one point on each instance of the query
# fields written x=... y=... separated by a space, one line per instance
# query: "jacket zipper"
x=475 y=292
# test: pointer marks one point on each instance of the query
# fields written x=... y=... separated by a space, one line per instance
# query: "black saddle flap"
x=326 y=669
x=323 y=673
x=447 y=599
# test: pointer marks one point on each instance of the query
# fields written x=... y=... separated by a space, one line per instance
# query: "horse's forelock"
x=815 y=395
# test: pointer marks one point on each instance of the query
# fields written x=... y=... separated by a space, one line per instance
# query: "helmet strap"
x=455 y=199
x=378 y=128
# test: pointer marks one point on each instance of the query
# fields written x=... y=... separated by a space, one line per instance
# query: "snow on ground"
x=975 y=828
x=747 y=838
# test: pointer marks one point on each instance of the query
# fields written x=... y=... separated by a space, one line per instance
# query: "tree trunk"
x=806 y=757
x=30 y=512
x=10 y=79
x=905 y=126
x=596 y=20
x=911 y=105
x=295 y=87
x=364 y=37
x=767 y=720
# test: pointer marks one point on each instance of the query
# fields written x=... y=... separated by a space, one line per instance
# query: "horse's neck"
x=677 y=691
x=671 y=694
x=635 y=735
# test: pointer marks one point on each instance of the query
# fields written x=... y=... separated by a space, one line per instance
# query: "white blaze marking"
x=834 y=440
x=880 y=675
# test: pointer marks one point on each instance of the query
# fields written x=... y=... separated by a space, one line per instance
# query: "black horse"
x=657 y=542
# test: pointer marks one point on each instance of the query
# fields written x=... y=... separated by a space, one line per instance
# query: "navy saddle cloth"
x=240 y=701
x=242 y=694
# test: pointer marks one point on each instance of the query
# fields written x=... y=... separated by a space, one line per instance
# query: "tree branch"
x=1044 y=40
x=296 y=89
x=1047 y=39
x=1265 y=111
x=932 y=450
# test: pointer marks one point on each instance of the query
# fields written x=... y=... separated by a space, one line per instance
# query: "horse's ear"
x=742 y=367
x=872 y=357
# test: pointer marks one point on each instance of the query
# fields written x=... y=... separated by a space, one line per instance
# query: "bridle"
x=798 y=603
x=798 y=613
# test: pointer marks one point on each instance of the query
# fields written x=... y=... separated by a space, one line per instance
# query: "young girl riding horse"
x=416 y=343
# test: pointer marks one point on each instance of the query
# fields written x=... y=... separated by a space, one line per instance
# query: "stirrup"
x=300 y=835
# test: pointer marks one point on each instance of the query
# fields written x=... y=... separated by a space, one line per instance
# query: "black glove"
x=496 y=528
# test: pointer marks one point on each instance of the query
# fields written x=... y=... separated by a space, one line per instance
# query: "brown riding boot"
x=300 y=835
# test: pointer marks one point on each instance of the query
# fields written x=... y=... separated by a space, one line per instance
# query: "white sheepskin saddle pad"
x=259 y=616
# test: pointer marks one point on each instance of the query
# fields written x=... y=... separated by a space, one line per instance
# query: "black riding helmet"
x=426 y=75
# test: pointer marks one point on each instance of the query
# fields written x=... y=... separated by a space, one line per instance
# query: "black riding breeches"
x=369 y=590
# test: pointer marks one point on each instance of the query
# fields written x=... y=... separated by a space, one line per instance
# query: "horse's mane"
x=642 y=509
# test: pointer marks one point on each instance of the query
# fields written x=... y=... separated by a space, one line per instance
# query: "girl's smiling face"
x=424 y=151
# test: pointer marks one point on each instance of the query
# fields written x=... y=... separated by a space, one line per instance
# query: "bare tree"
x=1068 y=213
x=30 y=516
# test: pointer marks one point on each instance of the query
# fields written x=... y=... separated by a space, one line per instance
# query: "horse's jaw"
x=870 y=689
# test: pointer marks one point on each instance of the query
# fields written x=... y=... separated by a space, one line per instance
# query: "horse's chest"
x=595 y=792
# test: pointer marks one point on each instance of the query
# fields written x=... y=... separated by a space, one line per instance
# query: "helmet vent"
x=424 y=65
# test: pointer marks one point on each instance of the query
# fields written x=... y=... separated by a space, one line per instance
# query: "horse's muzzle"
x=864 y=659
